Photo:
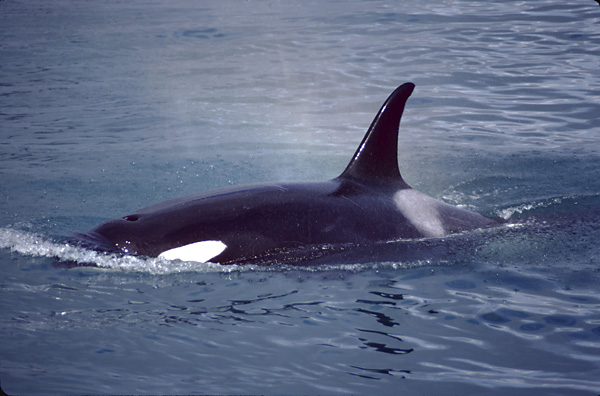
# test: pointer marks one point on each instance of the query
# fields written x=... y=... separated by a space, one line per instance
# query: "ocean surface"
x=110 y=106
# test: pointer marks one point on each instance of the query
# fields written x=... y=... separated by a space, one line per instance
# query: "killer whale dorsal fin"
x=377 y=154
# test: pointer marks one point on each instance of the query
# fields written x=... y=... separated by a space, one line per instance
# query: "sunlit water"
x=107 y=107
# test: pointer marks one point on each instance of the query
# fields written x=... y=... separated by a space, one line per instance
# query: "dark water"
x=106 y=107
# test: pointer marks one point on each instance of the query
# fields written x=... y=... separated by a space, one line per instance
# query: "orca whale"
x=292 y=222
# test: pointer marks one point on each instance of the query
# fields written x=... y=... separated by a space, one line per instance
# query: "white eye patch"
x=199 y=251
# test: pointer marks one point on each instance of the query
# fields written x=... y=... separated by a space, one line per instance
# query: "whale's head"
x=115 y=236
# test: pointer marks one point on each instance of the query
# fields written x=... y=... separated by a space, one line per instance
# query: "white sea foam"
x=31 y=244
x=507 y=213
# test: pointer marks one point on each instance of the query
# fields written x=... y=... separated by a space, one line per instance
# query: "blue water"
x=108 y=106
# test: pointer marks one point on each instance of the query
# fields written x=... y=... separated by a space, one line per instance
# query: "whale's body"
x=271 y=222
